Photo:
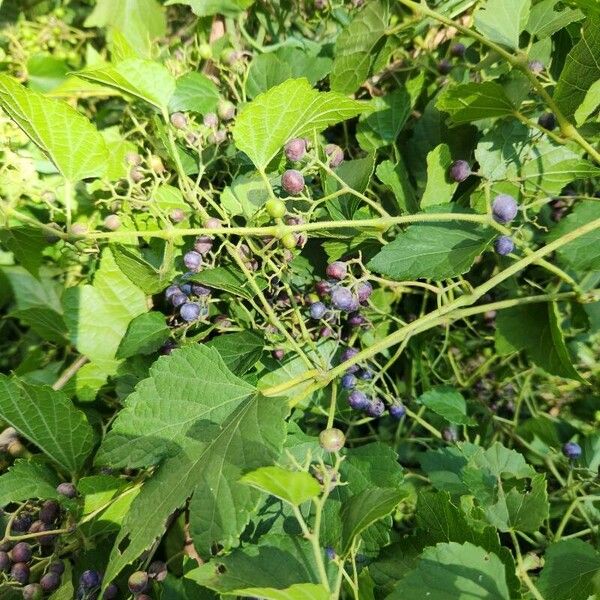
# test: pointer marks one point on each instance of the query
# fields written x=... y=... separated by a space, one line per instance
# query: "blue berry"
x=547 y=121
x=200 y=290
x=375 y=408
x=178 y=299
x=356 y=320
x=365 y=374
x=358 y=400
x=186 y=288
x=58 y=567
x=330 y=553
x=90 y=579
x=347 y=354
x=460 y=170
x=504 y=208
x=295 y=149
x=171 y=291
x=292 y=181
x=343 y=299
x=111 y=592
x=504 y=245
x=317 y=310
x=397 y=410
x=192 y=260
x=572 y=450
x=364 y=291
x=190 y=311
x=348 y=381
x=337 y=270
x=20 y=572
x=458 y=50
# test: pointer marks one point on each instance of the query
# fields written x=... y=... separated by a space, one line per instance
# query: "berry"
x=356 y=320
x=365 y=374
x=330 y=553
x=112 y=222
x=226 y=110
x=335 y=154
x=348 y=353
x=444 y=66
x=143 y=597
x=20 y=572
x=4 y=561
x=192 y=260
x=210 y=120
x=58 y=567
x=179 y=120
x=375 y=408
x=158 y=570
x=90 y=579
x=178 y=299
x=205 y=51
x=504 y=245
x=49 y=512
x=458 y=50
x=332 y=440
x=295 y=149
x=348 y=381
x=200 y=290
x=156 y=164
x=33 y=591
x=504 y=208
x=66 y=489
x=547 y=121
x=275 y=207
x=171 y=291
x=138 y=582
x=177 y=215
x=190 y=311
x=203 y=244
x=21 y=553
x=317 y=310
x=364 y=291
x=212 y=223
x=397 y=410
x=50 y=581
x=536 y=66
x=289 y=241
x=322 y=288
x=358 y=400
x=133 y=159
x=450 y=434
x=572 y=450
x=22 y=522
x=343 y=299
x=186 y=288
x=217 y=137
x=136 y=174
x=278 y=353
x=292 y=181
x=337 y=270
x=79 y=229
x=460 y=170
x=111 y=592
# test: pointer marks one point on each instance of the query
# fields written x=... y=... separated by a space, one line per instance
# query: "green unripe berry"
x=289 y=241
x=275 y=207
x=205 y=51
x=332 y=440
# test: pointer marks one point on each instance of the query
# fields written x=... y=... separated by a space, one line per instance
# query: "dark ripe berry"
x=348 y=381
x=158 y=570
x=49 y=512
x=186 y=288
x=375 y=408
x=210 y=120
x=335 y=154
x=332 y=440
x=317 y=310
x=356 y=320
x=460 y=170
x=90 y=579
x=322 y=288
x=572 y=450
x=504 y=208
x=504 y=245
x=168 y=347
x=337 y=270
x=347 y=354
x=292 y=181
x=111 y=592
x=4 y=561
x=365 y=374
x=275 y=207
x=190 y=311
x=536 y=66
x=171 y=291
x=200 y=290
x=330 y=553
x=547 y=121
x=278 y=353
x=343 y=299
x=364 y=291
x=138 y=582
x=192 y=260
x=358 y=400
x=67 y=489
x=325 y=332
x=295 y=149
x=177 y=215
x=21 y=553
x=450 y=434
x=46 y=540
x=444 y=66
x=179 y=120
x=50 y=581
x=178 y=299
x=33 y=591
x=58 y=567
x=458 y=50
x=397 y=410
x=203 y=244
x=20 y=572
x=112 y=222
x=22 y=522
x=226 y=110
x=36 y=526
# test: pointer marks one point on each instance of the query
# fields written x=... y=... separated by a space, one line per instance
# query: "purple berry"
x=347 y=354
x=58 y=567
x=178 y=299
x=375 y=408
x=158 y=570
x=504 y=208
x=112 y=222
x=504 y=245
x=203 y=244
x=4 y=562
x=111 y=592
x=358 y=400
x=33 y=591
x=67 y=489
x=365 y=374
x=572 y=450
x=343 y=299
x=171 y=291
x=348 y=381
x=295 y=149
x=337 y=270
x=536 y=66
x=356 y=320
x=364 y=291
x=292 y=181
x=278 y=353
x=330 y=553
x=397 y=410
x=325 y=332
x=547 y=121
x=322 y=288
x=177 y=215
x=49 y=512
x=460 y=170
x=210 y=120
x=20 y=572
x=179 y=120
x=190 y=311
x=200 y=290
x=192 y=260
x=21 y=553
x=90 y=579
x=138 y=582
x=22 y=522
x=444 y=66
x=458 y=50
x=50 y=581
x=450 y=434
x=335 y=154
x=317 y=310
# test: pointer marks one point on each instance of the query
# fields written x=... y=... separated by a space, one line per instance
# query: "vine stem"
x=69 y=372
x=519 y=62
x=522 y=570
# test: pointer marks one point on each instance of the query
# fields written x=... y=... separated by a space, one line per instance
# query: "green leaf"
x=245 y=195
x=355 y=47
x=139 y=21
x=70 y=140
x=49 y=420
x=536 y=329
x=439 y=188
x=28 y=479
x=205 y=8
x=45 y=72
x=502 y=21
x=145 y=334
x=474 y=101
x=544 y=19
x=194 y=92
x=292 y=109
x=435 y=251
x=295 y=487
x=570 y=567
x=582 y=254
x=454 y=571
x=503 y=145
x=395 y=176
x=139 y=271
x=581 y=69
x=144 y=79
x=46 y=322
x=240 y=351
x=299 y=591
x=448 y=403
x=228 y=279
x=589 y=105
x=27 y=244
